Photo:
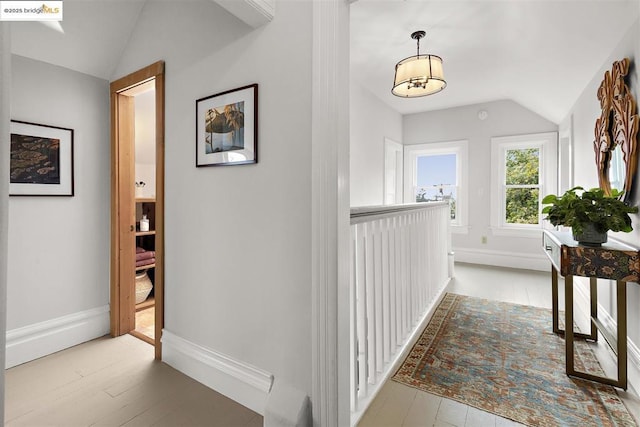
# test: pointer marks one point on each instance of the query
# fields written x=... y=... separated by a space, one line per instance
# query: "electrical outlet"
x=483 y=239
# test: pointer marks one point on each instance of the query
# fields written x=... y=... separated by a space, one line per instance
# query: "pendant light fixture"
x=418 y=75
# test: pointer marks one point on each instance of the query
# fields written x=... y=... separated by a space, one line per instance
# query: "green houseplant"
x=589 y=213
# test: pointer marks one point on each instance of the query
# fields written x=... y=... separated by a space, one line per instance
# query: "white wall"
x=584 y=114
x=59 y=246
x=371 y=121
x=5 y=109
x=504 y=118
x=145 y=135
x=238 y=242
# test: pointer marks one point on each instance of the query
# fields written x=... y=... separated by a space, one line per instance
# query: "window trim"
x=547 y=142
x=460 y=148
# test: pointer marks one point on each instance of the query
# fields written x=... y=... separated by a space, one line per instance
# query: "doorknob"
x=133 y=227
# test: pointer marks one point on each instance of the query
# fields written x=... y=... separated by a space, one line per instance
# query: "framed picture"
x=227 y=128
x=41 y=162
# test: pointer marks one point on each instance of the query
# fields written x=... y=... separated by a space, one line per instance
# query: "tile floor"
x=398 y=405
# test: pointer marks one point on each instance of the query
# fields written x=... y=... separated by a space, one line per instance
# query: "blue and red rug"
x=504 y=359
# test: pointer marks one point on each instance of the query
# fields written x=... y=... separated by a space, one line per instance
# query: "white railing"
x=399 y=268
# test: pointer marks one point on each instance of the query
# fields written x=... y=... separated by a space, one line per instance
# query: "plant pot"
x=590 y=236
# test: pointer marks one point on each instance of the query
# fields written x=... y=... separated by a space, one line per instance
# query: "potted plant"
x=590 y=214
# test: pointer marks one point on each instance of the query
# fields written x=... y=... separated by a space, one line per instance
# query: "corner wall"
x=238 y=238
x=504 y=118
x=371 y=122
x=58 y=274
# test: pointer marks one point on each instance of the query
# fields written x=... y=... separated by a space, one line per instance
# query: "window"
x=437 y=172
x=523 y=172
x=522 y=185
x=436 y=179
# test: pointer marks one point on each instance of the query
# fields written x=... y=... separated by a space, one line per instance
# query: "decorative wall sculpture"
x=616 y=131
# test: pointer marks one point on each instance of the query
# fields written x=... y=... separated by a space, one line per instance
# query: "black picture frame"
x=227 y=128
x=41 y=160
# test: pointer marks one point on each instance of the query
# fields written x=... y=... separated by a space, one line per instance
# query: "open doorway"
x=137 y=205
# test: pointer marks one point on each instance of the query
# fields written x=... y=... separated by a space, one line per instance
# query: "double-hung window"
x=437 y=172
x=523 y=172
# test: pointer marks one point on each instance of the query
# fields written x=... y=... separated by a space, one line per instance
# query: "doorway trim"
x=120 y=301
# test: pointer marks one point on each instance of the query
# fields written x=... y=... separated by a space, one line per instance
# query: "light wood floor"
x=114 y=382
x=399 y=405
x=146 y=322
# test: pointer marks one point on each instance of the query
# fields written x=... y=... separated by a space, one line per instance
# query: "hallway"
x=114 y=382
x=400 y=405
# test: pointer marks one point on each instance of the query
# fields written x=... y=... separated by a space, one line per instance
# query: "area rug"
x=504 y=359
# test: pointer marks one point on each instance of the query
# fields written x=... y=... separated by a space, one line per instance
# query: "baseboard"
x=581 y=297
x=246 y=384
x=523 y=260
x=44 y=338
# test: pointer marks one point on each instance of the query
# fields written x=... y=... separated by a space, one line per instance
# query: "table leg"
x=622 y=333
x=593 y=296
x=568 y=323
x=555 y=311
x=554 y=299
x=619 y=341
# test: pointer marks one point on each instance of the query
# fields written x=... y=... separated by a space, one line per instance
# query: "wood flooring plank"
x=73 y=391
x=423 y=411
x=113 y=382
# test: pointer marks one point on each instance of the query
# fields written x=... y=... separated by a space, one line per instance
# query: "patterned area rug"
x=504 y=359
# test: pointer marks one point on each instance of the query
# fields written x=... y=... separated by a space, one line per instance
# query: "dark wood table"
x=613 y=260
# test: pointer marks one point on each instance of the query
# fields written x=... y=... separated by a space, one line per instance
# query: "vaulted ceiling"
x=539 y=53
x=90 y=39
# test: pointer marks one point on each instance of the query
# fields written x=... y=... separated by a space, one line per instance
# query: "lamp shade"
x=418 y=75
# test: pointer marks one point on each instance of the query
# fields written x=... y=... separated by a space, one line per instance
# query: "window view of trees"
x=522 y=186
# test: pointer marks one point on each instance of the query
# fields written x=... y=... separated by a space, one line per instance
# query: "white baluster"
x=353 y=320
x=371 y=304
x=386 y=299
x=399 y=266
x=393 y=285
x=377 y=260
x=361 y=318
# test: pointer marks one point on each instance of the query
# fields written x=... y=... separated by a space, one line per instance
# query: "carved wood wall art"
x=616 y=127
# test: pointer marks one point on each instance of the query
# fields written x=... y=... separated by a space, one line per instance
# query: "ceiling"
x=90 y=39
x=539 y=53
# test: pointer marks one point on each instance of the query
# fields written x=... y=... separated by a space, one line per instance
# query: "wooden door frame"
x=120 y=300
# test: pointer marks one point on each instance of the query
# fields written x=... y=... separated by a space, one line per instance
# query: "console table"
x=613 y=260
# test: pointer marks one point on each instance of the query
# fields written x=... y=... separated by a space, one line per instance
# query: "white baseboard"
x=246 y=384
x=581 y=297
x=44 y=338
x=503 y=259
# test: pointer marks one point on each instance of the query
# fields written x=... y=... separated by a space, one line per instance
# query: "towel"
x=145 y=255
x=147 y=261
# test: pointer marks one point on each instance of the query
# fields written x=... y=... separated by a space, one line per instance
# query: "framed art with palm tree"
x=227 y=128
